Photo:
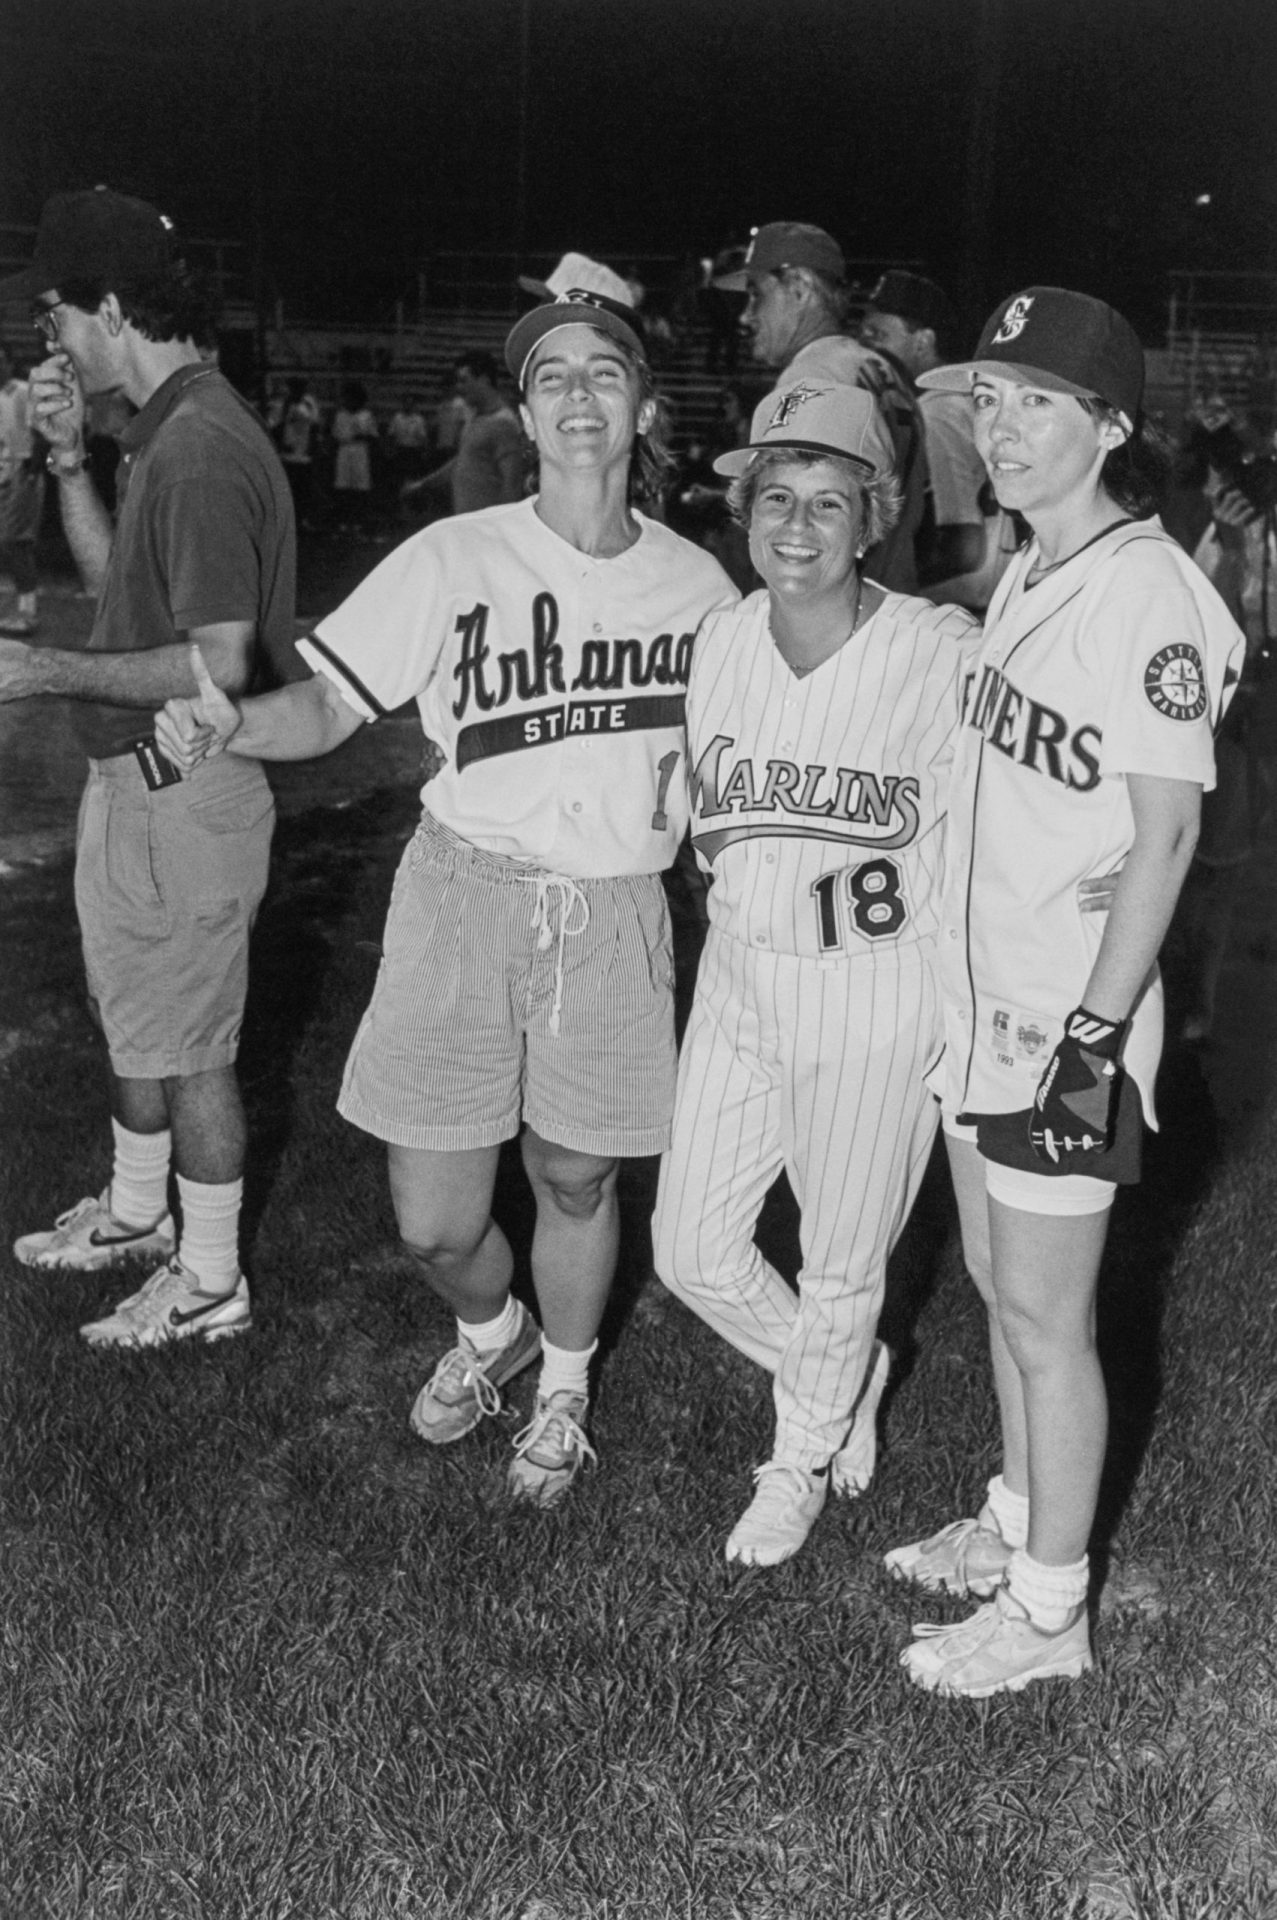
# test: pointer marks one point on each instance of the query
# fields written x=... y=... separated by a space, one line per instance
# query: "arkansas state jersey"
x=1119 y=661
x=554 y=682
x=818 y=801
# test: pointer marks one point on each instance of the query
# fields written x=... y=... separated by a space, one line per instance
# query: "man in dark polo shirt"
x=169 y=871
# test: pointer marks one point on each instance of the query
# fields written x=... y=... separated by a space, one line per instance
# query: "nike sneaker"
x=172 y=1305
x=87 y=1238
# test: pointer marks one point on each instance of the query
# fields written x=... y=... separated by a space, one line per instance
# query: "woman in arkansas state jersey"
x=820 y=719
x=1084 y=747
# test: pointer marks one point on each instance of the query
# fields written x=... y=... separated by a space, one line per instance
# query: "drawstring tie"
x=570 y=897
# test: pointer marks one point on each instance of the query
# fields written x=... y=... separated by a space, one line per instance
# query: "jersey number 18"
x=871 y=898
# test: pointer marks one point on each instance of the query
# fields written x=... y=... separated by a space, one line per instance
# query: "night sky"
x=356 y=136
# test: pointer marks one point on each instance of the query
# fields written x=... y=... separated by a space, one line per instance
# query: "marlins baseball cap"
x=1061 y=341
x=578 y=307
x=578 y=270
x=816 y=417
x=913 y=298
x=94 y=235
x=787 y=243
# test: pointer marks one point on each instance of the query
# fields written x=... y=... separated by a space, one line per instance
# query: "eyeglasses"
x=45 y=320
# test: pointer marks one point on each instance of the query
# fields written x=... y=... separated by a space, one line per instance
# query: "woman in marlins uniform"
x=1084 y=748
x=820 y=722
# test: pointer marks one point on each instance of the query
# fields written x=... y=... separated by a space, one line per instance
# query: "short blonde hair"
x=880 y=493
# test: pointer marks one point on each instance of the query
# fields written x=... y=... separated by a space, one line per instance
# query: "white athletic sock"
x=564 y=1369
x=489 y=1336
x=1010 y=1512
x=209 y=1247
x=1049 y=1595
x=27 y=607
x=139 y=1176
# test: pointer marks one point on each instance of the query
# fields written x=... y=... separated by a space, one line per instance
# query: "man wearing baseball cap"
x=965 y=541
x=169 y=870
x=526 y=985
x=794 y=278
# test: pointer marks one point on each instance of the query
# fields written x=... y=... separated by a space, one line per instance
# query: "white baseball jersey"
x=1118 y=662
x=553 y=682
x=818 y=801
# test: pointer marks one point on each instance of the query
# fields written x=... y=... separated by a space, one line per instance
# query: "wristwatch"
x=64 y=468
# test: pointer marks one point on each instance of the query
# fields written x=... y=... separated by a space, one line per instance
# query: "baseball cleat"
x=171 y=1305
x=464 y=1387
x=998 y=1650
x=551 y=1450
x=852 y=1467
x=87 y=1238
x=786 y=1506
x=970 y=1556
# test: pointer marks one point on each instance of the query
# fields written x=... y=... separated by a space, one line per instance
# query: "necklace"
x=1039 y=572
x=801 y=668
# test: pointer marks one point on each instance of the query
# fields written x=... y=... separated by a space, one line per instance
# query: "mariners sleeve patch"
x=1175 y=682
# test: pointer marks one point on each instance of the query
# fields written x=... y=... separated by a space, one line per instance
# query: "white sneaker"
x=970 y=1556
x=998 y=1650
x=783 y=1511
x=852 y=1467
x=172 y=1306
x=551 y=1450
x=87 y=1238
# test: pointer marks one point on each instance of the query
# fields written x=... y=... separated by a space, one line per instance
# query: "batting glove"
x=1075 y=1107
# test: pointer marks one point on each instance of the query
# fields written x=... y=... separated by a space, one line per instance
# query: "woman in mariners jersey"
x=1084 y=749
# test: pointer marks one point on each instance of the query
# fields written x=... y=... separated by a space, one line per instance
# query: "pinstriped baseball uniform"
x=818 y=803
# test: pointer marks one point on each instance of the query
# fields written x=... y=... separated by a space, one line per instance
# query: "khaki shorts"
x=508 y=994
x=167 y=886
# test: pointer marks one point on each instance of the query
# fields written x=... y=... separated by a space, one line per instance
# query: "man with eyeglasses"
x=795 y=280
x=169 y=869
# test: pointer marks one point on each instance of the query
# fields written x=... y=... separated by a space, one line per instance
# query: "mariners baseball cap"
x=816 y=417
x=787 y=243
x=578 y=270
x=93 y=235
x=1065 y=342
x=913 y=298
x=578 y=307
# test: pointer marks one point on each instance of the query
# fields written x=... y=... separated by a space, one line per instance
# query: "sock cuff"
x=1039 y=1585
x=142 y=1149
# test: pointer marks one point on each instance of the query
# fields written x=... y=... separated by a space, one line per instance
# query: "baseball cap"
x=787 y=243
x=816 y=417
x=93 y=235
x=1061 y=341
x=914 y=299
x=578 y=307
x=578 y=270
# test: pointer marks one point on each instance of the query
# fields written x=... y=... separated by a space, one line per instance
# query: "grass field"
x=267 y=1657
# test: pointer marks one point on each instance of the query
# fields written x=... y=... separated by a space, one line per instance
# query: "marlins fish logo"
x=789 y=403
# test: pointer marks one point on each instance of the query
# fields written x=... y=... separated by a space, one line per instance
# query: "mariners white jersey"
x=1119 y=662
x=818 y=801
x=553 y=682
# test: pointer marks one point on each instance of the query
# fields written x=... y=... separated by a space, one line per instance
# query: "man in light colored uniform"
x=795 y=314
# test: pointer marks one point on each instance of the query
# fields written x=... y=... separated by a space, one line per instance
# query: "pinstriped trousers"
x=818 y=1070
